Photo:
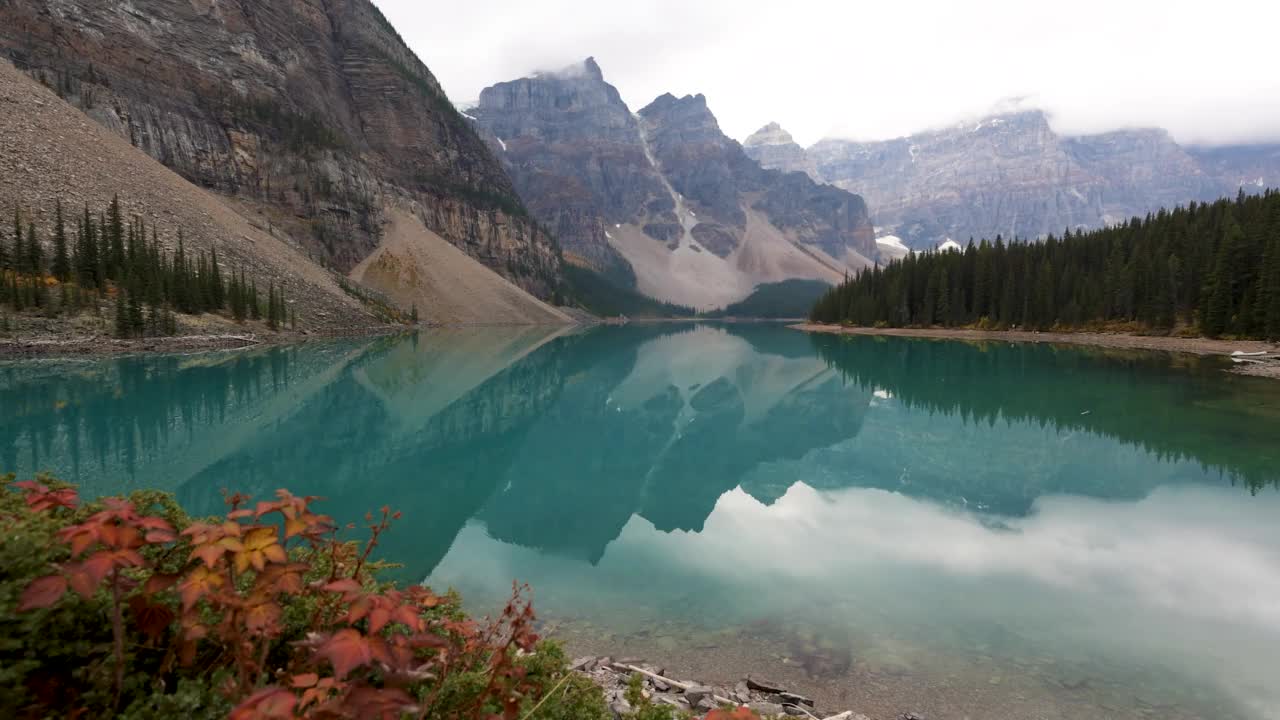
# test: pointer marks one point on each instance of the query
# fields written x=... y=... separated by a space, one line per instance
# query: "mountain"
x=315 y=117
x=50 y=151
x=1012 y=174
x=774 y=148
x=661 y=200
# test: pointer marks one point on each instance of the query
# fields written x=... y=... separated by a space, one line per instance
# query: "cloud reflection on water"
x=1185 y=578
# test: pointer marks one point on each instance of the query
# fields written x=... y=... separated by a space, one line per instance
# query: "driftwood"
x=684 y=687
x=719 y=699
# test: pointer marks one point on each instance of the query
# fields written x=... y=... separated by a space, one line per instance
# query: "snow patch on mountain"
x=891 y=247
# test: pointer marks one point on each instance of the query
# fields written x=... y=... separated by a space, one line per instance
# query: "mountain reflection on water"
x=917 y=502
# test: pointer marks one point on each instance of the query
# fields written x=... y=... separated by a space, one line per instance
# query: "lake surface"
x=961 y=530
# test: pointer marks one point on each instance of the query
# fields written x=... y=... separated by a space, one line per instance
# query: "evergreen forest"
x=1209 y=269
x=82 y=261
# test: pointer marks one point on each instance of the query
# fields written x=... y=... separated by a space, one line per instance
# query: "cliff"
x=661 y=200
x=313 y=112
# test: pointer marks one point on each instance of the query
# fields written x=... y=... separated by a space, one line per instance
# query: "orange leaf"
x=293 y=526
x=378 y=619
x=109 y=534
x=346 y=586
x=270 y=703
x=209 y=554
x=259 y=546
x=85 y=577
x=43 y=592
x=159 y=537
x=127 y=558
x=151 y=618
x=154 y=523
x=159 y=582
x=358 y=608
x=127 y=537
x=346 y=650
x=199 y=582
x=408 y=615
x=305 y=680
x=81 y=539
x=262 y=617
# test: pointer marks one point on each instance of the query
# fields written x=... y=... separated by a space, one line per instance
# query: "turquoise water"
x=962 y=530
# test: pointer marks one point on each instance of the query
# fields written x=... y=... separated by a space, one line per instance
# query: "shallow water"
x=962 y=530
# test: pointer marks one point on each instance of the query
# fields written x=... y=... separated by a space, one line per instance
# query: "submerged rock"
x=765 y=686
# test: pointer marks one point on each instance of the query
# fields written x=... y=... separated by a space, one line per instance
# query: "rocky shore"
x=1124 y=341
x=767 y=698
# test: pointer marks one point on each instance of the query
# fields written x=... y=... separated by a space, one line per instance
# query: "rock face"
x=1011 y=174
x=774 y=148
x=575 y=152
x=51 y=152
x=662 y=200
x=313 y=111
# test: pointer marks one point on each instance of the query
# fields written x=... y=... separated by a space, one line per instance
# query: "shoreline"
x=91 y=346
x=103 y=346
x=769 y=699
x=1204 y=347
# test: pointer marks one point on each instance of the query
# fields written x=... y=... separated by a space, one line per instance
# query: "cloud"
x=876 y=70
x=1185 y=578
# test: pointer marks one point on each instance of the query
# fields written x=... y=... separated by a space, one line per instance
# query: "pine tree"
x=20 y=254
x=137 y=323
x=122 y=314
x=1269 y=301
x=4 y=254
x=16 y=293
x=61 y=259
x=218 y=289
x=239 y=298
x=271 y=306
x=115 y=237
x=35 y=254
x=103 y=271
x=35 y=268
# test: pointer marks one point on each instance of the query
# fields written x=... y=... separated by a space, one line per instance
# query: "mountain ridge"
x=313 y=112
x=661 y=200
x=1011 y=174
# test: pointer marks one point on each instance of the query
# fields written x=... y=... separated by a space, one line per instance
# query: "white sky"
x=1207 y=71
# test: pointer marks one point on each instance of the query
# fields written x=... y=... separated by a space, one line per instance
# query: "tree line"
x=97 y=256
x=1207 y=268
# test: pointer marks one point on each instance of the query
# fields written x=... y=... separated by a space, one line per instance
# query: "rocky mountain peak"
x=690 y=111
x=562 y=105
x=774 y=148
x=1011 y=173
x=662 y=201
x=592 y=69
x=771 y=134
x=671 y=122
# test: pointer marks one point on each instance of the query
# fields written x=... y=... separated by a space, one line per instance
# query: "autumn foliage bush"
x=129 y=608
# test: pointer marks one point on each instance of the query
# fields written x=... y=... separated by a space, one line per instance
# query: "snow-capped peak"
x=892 y=247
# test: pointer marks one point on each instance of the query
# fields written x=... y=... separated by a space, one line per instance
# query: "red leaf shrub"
x=288 y=616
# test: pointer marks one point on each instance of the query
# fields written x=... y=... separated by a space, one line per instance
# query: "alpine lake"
x=986 y=531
